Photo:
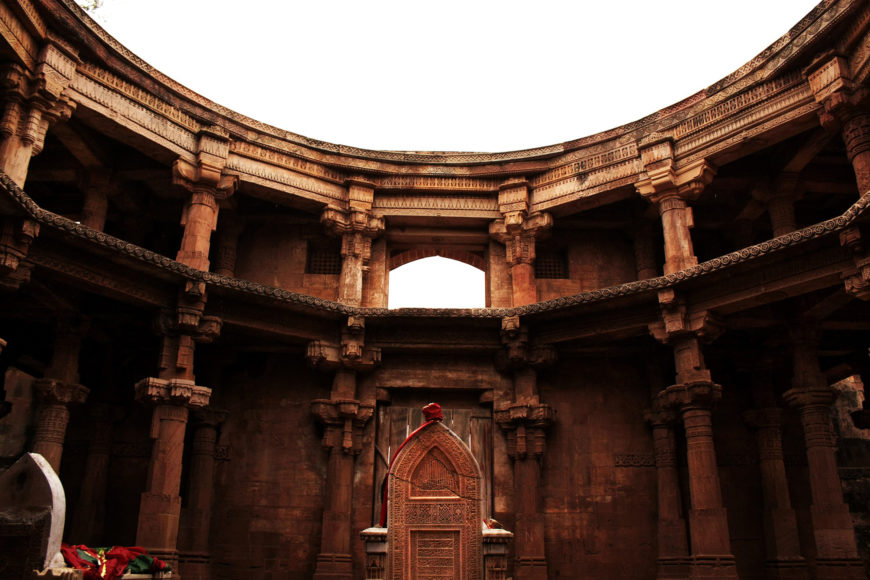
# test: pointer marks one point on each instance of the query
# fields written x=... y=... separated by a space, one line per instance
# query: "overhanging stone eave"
x=221 y=284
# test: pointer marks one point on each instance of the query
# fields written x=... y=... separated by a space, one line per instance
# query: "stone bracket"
x=689 y=394
x=213 y=147
x=858 y=284
x=54 y=392
x=518 y=352
x=518 y=232
x=172 y=392
x=16 y=236
x=345 y=420
x=526 y=428
x=679 y=320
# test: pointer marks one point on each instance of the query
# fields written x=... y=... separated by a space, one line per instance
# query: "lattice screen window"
x=323 y=258
x=551 y=264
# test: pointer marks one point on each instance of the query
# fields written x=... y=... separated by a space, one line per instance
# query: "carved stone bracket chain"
x=351 y=353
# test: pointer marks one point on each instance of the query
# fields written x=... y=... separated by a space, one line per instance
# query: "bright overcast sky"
x=472 y=75
x=451 y=75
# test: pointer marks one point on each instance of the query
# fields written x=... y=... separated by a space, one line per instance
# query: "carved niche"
x=434 y=517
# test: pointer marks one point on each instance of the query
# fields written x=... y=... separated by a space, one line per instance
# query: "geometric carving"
x=434 y=509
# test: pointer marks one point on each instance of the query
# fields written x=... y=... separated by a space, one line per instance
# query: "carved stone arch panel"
x=434 y=511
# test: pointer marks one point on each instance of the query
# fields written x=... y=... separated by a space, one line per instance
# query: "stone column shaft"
x=351 y=279
x=781 y=210
x=676 y=226
x=531 y=560
x=199 y=221
x=856 y=136
x=672 y=542
x=53 y=416
x=836 y=549
x=51 y=423
x=644 y=254
x=94 y=209
x=89 y=516
x=782 y=545
x=160 y=504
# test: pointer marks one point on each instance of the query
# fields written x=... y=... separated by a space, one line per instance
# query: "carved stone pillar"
x=782 y=547
x=343 y=417
x=844 y=109
x=836 y=550
x=357 y=226
x=32 y=102
x=207 y=186
x=98 y=186
x=525 y=422
x=52 y=416
x=195 y=558
x=227 y=244
x=692 y=397
x=644 y=252
x=780 y=205
x=160 y=505
x=671 y=189
x=673 y=547
x=58 y=390
x=518 y=230
x=90 y=510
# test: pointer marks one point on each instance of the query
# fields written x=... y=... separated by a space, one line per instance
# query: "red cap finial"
x=432 y=412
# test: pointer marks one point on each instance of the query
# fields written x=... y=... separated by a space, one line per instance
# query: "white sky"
x=472 y=75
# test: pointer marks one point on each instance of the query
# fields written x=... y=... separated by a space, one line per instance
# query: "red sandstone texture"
x=194 y=329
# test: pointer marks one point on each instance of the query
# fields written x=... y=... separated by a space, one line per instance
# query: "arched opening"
x=436 y=281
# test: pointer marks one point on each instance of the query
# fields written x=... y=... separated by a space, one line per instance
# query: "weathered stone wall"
x=599 y=477
x=269 y=494
x=275 y=255
x=596 y=259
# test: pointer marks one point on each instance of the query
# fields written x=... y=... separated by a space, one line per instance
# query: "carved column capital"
x=16 y=236
x=519 y=232
x=678 y=321
x=526 y=428
x=693 y=394
x=344 y=421
x=54 y=392
x=351 y=353
x=179 y=392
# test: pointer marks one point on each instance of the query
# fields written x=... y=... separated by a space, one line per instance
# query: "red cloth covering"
x=108 y=563
x=432 y=413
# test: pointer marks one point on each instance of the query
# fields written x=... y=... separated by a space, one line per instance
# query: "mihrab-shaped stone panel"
x=434 y=516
